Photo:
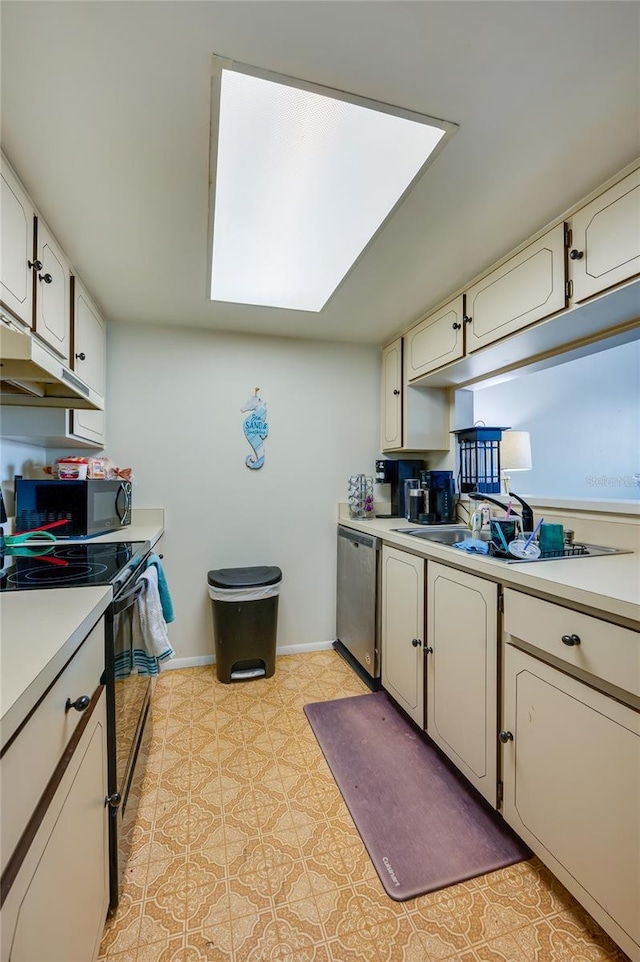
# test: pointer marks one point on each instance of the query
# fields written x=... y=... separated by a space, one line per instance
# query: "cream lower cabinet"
x=462 y=670
x=605 y=239
x=402 y=634
x=56 y=906
x=571 y=770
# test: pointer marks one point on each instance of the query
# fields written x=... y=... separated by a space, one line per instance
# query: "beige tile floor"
x=242 y=849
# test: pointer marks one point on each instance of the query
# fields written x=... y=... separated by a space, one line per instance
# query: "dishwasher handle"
x=366 y=540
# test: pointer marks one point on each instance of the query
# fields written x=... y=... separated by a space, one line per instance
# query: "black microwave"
x=88 y=507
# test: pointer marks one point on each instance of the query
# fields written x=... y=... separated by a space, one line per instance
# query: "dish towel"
x=151 y=644
x=163 y=588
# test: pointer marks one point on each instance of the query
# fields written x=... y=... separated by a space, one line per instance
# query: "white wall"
x=16 y=457
x=584 y=420
x=174 y=417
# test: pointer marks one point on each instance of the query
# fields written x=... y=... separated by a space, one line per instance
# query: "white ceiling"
x=105 y=116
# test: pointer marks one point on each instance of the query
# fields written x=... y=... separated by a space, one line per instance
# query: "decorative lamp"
x=515 y=455
x=480 y=459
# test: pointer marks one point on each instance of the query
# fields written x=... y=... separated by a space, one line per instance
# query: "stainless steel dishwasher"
x=358 y=603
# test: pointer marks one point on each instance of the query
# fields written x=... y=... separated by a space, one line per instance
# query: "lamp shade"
x=515 y=451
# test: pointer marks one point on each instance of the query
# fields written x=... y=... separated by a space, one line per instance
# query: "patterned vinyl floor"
x=242 y=849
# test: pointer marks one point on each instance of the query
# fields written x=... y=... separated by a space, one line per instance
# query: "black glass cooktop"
x=71 y=565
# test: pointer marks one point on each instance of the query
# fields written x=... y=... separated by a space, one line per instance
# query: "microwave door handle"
x=126 y=601
x=122 y=490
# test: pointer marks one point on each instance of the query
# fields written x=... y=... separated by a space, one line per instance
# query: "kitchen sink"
x=453 y=534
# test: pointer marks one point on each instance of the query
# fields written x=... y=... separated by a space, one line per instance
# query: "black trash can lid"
x=244 y=577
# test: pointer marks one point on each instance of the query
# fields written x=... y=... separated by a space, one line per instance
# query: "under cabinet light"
x=302 y=178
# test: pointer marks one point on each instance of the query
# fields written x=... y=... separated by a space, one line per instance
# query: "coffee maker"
x=394 y=473
x=440 y=497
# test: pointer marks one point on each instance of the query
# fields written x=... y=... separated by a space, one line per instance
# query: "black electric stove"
x=72 y=565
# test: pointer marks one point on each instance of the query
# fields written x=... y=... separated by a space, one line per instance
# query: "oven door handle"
x=126 y=601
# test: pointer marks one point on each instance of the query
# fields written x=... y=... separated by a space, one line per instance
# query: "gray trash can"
x=244 y=603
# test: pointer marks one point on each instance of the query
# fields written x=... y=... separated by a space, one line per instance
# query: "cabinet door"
x=89 y=340
x=402 y=625
x=53 y=300
x=572 y=788
x=391 y=420
x=528 y=287
x=16 y=250
x=606 y=239
x=462 y=618
x=57 y=905
x=435 y=341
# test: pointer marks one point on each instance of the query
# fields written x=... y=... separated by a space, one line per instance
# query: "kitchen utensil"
x=526 y=549
x=504 y=530
x=360 y=498
x=523 y=549
x=38 y=534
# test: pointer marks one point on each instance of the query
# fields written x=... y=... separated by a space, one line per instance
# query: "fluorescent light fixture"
x=302 y=177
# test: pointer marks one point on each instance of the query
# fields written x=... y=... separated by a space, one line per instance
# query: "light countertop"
x=40 y=630
x=607 y=585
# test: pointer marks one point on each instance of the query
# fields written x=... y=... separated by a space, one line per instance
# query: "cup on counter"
x=503 y=531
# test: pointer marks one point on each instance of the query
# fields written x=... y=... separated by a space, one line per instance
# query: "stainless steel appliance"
x=87 y=507
x=358 y=603
x=118 y=564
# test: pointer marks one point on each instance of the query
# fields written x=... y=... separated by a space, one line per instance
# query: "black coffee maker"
x=440 y=497
x=395 y=472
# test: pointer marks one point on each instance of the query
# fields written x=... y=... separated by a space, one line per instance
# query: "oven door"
x=128 y=728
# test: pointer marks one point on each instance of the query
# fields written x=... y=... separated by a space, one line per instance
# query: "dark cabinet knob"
x=396 y=391
x=416 y=643
x=428 y=650
x=35 y=265
x=576 y=255
x=112 y=800
x=505 y=737
x=81 y=356
x=467 y=319
x=570 y=640
x=47 y=278
x=80 y=704
x=456 y=326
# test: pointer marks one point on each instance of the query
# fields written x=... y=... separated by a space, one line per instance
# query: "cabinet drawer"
x=31 y=758
x=604 y=650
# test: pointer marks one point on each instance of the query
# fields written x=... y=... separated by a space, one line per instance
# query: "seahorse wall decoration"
x=255 y=428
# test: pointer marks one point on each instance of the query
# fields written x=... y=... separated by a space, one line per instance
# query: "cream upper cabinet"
x=605 y=239
x=435 y=341
x=571 y=770
x=16 y=250
x=402 y=634
x=89 y=362
x=530 y=286
x=413 y=418
x=391 y=419
x=462 y=670
x=53 y=293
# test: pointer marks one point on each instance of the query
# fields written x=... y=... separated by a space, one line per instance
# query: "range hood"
x=32 y=376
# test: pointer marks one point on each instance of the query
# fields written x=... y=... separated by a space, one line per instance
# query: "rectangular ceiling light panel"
x=303 y=180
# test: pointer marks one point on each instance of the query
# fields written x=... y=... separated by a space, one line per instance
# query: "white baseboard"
x=193 y=662
x=197 y=660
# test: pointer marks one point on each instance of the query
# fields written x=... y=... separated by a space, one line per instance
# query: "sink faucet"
x=527 y=510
